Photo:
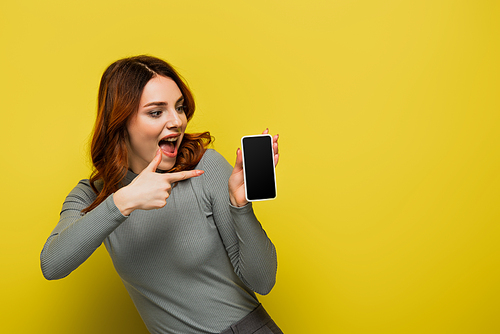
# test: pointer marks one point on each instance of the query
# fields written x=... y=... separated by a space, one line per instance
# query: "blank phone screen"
x=258 y=160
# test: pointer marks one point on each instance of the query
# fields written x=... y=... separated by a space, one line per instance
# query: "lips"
x=168 y=145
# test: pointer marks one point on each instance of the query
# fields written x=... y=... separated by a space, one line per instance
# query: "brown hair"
x=120 y=91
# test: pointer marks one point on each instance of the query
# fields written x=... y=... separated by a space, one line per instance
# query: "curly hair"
x=120 y=91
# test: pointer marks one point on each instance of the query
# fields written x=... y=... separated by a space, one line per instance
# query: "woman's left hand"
x=237 y=181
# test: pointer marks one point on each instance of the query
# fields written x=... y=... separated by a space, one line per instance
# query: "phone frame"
x=244 y=169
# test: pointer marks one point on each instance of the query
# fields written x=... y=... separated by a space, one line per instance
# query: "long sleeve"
x=251 y=252
x=77 y=236
x=192 y=266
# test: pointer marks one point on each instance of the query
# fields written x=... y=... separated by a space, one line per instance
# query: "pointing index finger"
x=179 y=176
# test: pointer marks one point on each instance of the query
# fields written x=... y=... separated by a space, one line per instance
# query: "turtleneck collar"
x=129 y=177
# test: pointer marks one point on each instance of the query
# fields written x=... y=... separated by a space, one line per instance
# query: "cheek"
x=142 y=135
x=184 y=122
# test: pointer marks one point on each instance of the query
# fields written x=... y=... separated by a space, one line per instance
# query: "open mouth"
x=168 y=145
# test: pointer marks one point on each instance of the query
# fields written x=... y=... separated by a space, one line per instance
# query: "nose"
x=173 y=120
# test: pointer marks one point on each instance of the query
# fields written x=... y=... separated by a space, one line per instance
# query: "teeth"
x=172 y=139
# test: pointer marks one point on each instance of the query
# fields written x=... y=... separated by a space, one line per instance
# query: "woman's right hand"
x=149 y=190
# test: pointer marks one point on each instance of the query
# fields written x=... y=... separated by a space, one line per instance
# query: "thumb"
x=153 y=165
x=239 y=161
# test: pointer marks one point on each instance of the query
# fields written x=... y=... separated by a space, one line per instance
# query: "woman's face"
x=159 y=122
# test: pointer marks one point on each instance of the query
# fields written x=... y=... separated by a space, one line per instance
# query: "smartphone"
x=258 y=167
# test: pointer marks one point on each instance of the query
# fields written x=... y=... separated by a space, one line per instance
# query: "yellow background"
x=387 y=216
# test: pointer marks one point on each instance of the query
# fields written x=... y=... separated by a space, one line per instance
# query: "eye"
x=180 y=108
x=155 y=113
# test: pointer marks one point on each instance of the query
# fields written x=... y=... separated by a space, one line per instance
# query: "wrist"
x=235 y=203
x=122 y=202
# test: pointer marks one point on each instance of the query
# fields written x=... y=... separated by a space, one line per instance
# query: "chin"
x=166 y=165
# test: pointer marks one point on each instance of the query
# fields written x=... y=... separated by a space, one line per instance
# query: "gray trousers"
x=256 y=322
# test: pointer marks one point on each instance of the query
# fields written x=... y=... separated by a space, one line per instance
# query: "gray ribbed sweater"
x=190 y=267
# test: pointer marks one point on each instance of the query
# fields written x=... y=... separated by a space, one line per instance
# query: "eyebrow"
x=162 y=104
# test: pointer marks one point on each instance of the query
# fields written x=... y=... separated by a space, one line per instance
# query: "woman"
x=171 y=213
